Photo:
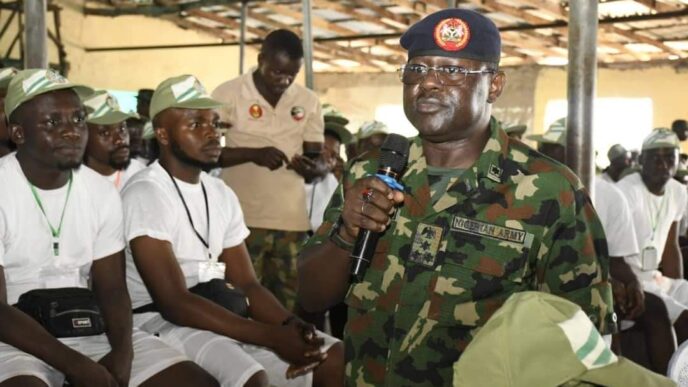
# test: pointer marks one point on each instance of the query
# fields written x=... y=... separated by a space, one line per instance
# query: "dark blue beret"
x=454 y=33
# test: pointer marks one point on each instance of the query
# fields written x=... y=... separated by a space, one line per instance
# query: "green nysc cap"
x=184 y=91
x=335 y=123
x=661 y=138
x=370 y=128
x=6 y=75
x=330 y=113
x=616 y=151
x=104 y=109
x=27 y=84
x=539 y=339
x=555 y=134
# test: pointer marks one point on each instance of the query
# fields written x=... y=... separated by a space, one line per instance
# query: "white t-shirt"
x=120 y=178
x=153 y=208
x=91 y=229
x=648 y=209
x=605 y=176
x=615 y=215
x=318 y=196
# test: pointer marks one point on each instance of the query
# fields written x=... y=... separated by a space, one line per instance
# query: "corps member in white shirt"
x=657 y=204
x=185 y=227
x=644 y=309
x=108 y=150
x=61 y=226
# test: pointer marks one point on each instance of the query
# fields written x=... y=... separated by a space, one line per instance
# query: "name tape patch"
x=476 y=227
x=83 y=322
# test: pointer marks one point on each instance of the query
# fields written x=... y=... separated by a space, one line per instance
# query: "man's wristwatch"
x=337 y=239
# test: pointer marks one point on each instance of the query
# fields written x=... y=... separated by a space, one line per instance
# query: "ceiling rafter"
x=367 y=31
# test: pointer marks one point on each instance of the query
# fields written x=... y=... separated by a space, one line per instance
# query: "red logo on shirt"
x=297 y=113
x=255 y=111
x=452 y=34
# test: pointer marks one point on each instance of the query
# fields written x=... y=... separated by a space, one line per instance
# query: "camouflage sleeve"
x=573 y=261
x=355 y=170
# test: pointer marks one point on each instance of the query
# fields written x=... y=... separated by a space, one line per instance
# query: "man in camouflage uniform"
x=509 y=220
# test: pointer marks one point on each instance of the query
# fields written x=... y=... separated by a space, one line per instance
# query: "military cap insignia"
x=452 y=34
x=426 y=243
x=255 y=111
x=297 y=113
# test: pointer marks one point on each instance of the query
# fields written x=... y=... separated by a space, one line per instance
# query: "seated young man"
x=108 y=148
x=61 y=226
x=185 y=227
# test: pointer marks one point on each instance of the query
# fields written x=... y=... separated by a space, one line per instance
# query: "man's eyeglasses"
x=414 y=74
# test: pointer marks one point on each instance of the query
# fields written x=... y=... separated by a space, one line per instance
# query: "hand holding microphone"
x=370 y=204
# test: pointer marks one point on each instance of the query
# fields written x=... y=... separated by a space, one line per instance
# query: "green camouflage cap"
x=339 y=130
x=27 y=84
x=6 y=75
x=331 y=114
x=516 y=129
x=555 y=134
x=539 y=339
x=661 y=138
x=616 y=151
x=184 y=91
x=370 y=128
x=104 y=109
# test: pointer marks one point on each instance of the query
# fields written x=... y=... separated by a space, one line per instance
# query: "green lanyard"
x=55 y=232
x=655 y=221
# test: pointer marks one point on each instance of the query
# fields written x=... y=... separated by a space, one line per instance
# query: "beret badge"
x=452 y=34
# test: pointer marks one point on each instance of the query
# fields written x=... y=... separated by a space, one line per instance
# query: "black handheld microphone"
x=393 y=158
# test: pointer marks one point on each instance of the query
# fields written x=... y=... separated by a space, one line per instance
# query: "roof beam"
x=316 y=21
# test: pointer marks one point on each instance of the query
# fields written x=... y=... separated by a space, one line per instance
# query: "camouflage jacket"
x=516 y=220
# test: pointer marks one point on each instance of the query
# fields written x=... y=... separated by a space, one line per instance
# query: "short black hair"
x=282 y=41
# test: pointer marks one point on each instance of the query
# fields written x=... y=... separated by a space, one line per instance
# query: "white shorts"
x=151 y=356
x=231 y=362
x=674 y=293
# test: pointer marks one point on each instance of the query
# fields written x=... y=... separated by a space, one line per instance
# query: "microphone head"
x=394 y=153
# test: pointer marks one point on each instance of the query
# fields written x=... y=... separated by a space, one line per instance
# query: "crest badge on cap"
x=452 y=34
x=255 y=111
x=298 y=113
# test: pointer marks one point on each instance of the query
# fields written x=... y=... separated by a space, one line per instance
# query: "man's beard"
x=119 y=165
x=182 y=156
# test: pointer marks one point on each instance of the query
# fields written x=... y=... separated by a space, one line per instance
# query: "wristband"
x=338 y=240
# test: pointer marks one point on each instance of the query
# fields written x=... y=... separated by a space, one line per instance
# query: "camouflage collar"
x=486 y=170
x=486 y=167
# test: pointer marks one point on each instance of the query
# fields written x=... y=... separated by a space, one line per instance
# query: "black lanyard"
x=188 y=213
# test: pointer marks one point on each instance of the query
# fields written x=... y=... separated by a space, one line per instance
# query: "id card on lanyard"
x=210 y=269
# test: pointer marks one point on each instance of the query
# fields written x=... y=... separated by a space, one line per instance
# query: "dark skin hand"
x=109 y=286
x=326 y=285
x=268 y=157
x=164 y=279
x=672 y=263
x=628 y=293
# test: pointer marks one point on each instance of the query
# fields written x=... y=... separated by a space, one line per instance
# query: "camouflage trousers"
x=275 y=259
